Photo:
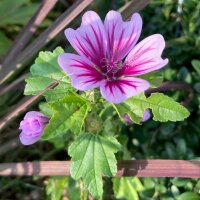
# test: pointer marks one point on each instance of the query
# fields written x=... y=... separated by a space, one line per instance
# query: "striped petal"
x=119 y=90
x=121 y=36
x=146 y=56
x=83 y=73
x=90 y=39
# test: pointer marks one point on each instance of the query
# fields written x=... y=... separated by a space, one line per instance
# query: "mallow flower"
x=146 y=116
x=32 y=127
x=108 y=56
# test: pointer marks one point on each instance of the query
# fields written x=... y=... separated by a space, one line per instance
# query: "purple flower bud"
x=146 y=117
x=32 y=127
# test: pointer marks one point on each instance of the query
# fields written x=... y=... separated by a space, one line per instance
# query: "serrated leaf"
x=67 y=112
x=59 y=92
x=166 y=109
x=163 y=108
x=124 y=187
x=46 y=71
x=36 y=84
x=93 y=156
x=134 y=107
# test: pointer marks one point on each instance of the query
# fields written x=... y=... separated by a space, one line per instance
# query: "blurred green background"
x=179 y=22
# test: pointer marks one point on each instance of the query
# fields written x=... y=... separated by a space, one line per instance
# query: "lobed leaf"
x=69 y=114
x=46 y=71
x=93 y=156
x=163 y=108
x=166 y=109
x=134 y=107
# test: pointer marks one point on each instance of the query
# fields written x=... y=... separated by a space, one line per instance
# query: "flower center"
x=110 y=70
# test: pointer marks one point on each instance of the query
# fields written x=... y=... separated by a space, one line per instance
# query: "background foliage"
x=180 y=26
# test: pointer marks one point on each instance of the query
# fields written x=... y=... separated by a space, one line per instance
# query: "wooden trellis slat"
x=139 y=168
x=133 y=6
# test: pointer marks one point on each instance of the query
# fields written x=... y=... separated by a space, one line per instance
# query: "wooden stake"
x=139 y=168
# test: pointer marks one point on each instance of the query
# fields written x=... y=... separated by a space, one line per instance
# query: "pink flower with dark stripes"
x=108 y=56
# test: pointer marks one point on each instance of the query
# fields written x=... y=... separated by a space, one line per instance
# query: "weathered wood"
x=133 y=6
x=5 y=88
x=139 y=168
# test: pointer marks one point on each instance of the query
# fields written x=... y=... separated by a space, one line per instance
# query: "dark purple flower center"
x=110 y=70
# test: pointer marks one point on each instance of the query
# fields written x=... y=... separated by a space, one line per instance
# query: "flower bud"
x=146 y=117
x=93 y=124
x=32 y=127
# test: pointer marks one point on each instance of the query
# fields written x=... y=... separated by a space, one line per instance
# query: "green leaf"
x=189 y=196
x=75 y=191
x=126 y=187
x=46 y=109
x=166 y=109
x=154 y=78
x=180 y=182
x=196 y=65
x=67 y=112
x=134 y=107
x=59 y=92
x=46 y=71
x=93 y=156
x=163 y=108
x=4 y=44
x=36 y=84
x=55 y=187
x=16 y=12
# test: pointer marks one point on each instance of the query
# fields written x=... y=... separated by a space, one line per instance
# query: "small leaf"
x=55 y=187
x=184 y=75
x=189 y=196
x=93 y=156
x=124 y=187
x=154 y=78
x=196 y=65
x=133 y=106
x=180 y=182
x=67 y=112
x=166 y=109
x=46 y=71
